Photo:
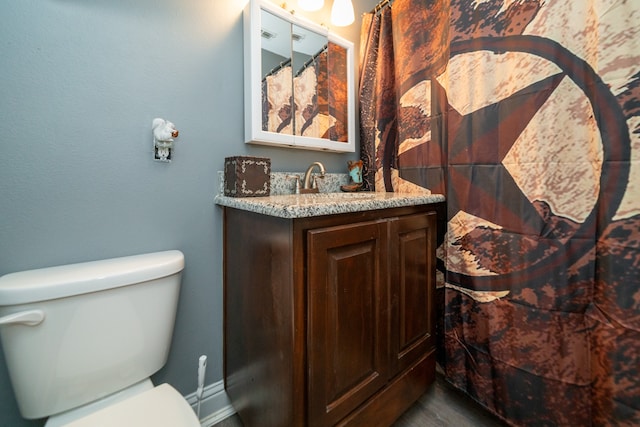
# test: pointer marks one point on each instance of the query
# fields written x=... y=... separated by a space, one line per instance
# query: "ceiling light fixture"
x=342 y=13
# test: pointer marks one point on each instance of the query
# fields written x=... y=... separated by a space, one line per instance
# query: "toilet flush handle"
x=29 y=318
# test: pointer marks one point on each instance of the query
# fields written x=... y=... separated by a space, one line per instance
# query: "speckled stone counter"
x=308 y=205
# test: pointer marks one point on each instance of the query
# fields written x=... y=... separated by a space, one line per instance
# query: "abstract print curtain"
x=526 y=115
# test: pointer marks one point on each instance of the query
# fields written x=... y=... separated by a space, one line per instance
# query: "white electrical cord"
x=202 y=367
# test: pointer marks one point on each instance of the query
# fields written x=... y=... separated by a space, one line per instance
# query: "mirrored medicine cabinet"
x=298 y=82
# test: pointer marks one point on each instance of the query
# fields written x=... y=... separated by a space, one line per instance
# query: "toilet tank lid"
x=74 y=279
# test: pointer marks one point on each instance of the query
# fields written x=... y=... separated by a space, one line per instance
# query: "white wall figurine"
x=163 y=133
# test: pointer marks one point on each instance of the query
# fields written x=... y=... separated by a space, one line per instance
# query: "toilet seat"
x=162 y=406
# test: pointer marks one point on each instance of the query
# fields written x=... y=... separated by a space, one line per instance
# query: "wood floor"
x=441 y=406
x=444 y=406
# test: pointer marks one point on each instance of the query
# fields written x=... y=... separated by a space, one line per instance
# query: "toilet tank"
x=76 y=333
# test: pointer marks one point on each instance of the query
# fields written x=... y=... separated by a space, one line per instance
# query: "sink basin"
x=340 y=196
x=328 y=198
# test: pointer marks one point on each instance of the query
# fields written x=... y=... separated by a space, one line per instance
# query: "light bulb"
x=310 y=5
x=342 y=13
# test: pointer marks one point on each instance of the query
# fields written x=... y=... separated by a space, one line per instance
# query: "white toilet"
x=82 y=340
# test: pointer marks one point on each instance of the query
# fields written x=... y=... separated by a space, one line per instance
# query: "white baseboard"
x=215 y=405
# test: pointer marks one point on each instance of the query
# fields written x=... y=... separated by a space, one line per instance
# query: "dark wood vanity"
x=329 y=320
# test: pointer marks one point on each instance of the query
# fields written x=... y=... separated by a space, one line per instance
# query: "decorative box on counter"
x=247 y=176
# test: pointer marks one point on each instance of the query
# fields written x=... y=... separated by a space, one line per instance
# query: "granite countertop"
x=308 y=205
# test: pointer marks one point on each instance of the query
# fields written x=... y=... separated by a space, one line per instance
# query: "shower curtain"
x=526 y=115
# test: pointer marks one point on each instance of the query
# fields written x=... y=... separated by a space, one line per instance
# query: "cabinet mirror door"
x=276 y=74
x=298 y=82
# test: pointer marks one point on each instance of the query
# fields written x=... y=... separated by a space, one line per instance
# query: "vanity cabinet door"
x=412 y=245
x=347 y=305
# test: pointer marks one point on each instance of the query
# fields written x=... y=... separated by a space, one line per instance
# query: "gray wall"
x=80 y=84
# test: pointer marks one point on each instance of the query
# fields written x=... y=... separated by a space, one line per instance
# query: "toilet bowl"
x=82 y=340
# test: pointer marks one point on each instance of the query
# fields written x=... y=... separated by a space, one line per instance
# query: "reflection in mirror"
x=338 y=92
x=277 y=109
x=320 y=92
x=309 y=63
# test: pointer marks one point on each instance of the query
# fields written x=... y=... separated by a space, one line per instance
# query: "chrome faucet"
x=310 y=185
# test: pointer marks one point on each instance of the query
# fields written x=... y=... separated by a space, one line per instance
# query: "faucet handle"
x=297 y=178
x=314 y=183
